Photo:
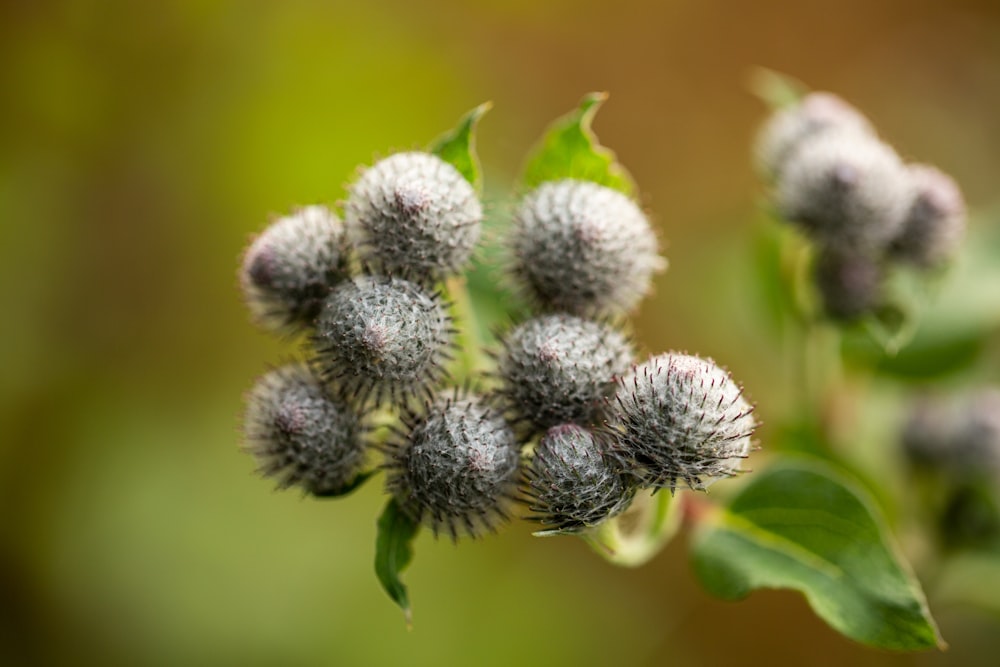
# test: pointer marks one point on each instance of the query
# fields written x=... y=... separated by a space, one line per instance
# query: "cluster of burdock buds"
x=567 y=422
x=952 y=446
x=865 y=209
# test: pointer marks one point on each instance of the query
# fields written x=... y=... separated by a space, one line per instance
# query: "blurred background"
x=142 y=143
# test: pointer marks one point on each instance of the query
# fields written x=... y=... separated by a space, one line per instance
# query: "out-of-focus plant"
x=888 y=304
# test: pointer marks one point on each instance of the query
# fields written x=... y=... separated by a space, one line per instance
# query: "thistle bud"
x=792 y=127
x=291 y=266
x=935 y=223
x=681 y=418
x=574 y=482
x=558 y=368
x=455 y=467
x=847 y=191
x=382 y=338
x=583 y=248
x=414 y=214
x=302 y=435
x=960 y=438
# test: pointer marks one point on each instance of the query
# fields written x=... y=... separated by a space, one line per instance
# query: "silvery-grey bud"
x=583 y=248
x=574 y=482
x=935 y=224
x=302 y=435
x=414 y=214
x=791 y=127
x=455 y=467
x=291 y=266
x=846 y=190
x=681 y=418
x=557 y=369
x=384 y=338
x=959 y=437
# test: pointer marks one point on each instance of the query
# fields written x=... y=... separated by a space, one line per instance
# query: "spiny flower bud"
x=846 y=190
x=791 y=127
x=935 y=224
x=583 y=248
x=414 y=214
x=290 y=267
x=301 y=435
x=455 y=467
x=681 y=418
x=960 y=438
x=849 y=283
x=556 y=369
x=384 y=338
x=573 y=482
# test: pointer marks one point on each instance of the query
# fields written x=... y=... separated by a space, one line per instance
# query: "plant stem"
x=636 y=536
x=471 y=360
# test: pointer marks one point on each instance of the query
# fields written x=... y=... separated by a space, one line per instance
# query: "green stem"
x=471 y=360
x=636 y=536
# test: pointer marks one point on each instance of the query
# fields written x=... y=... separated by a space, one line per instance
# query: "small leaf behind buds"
x=393 y=553
x=458 y=146
x=569 y=149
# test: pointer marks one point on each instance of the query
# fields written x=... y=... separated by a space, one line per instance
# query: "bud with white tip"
x=846 y=190
x=583 y=248
x=414 y=214
x=681 y=418
x=790 y=128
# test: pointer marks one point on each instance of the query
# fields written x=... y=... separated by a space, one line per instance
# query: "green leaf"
x=802 y=525
x=775 y=89
x=393 y=552
x=569 y=149
x=458 y=146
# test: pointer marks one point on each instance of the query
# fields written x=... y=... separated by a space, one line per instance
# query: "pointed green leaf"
x=802 y=525
x=775 y=89
x=569 y=149
x=393 y=552
x=458 y=146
